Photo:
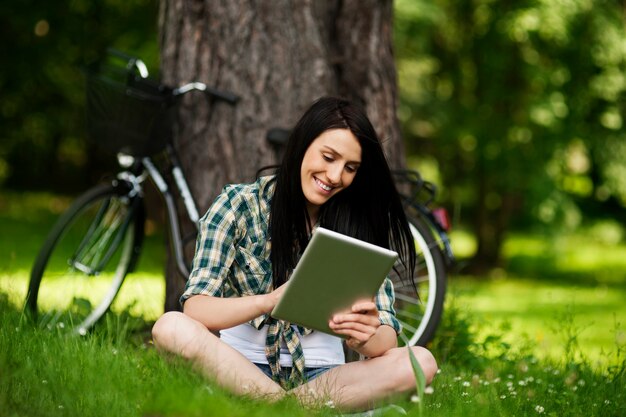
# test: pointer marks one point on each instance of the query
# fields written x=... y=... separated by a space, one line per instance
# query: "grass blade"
x=420 y=379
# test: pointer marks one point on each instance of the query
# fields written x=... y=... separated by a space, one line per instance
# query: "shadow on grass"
x=549 y=268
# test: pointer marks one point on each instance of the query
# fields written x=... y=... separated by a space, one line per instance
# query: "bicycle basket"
x=131 y=114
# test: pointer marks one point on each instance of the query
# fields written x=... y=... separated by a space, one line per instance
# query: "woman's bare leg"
x=353 y=386
x=178 y=333
x=364 y=384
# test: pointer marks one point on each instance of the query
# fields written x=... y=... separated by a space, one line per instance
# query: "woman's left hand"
x=359 y=324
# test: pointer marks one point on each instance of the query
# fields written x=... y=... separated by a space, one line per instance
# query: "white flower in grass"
x=438 y=371
x=429 y=390
x=502 y=397
x=415 y=398
x=521 y=383
x=581 y=382
x=464 y=394
x=607 y=402
x=457 y=378
x=466 y=383
x=330 y=404
x=539 y=409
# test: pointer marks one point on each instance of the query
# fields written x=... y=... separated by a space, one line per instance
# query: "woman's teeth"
x=322 y=185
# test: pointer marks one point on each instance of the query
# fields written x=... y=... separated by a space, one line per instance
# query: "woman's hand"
x=359 y=324
x=271 y=299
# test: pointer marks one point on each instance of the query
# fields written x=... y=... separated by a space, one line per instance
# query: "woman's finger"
x=364 y=328
x=365 y=307
x=358 y=318
x=353 y=335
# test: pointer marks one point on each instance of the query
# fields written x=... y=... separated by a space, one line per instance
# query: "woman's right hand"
x=210 y=310
x=272 y=298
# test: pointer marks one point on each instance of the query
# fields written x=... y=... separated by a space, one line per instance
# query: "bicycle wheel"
x=86 y=256
x=420 y=313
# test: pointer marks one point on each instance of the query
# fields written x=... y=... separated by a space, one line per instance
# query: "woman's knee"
x=427 y=362
x=405 y=378
x=165 y=327
x=177 y=333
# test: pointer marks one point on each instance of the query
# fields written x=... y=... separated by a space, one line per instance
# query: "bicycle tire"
x=85 y=258
x=420 y=313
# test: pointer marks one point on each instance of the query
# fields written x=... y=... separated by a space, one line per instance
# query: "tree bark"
x=278 y=56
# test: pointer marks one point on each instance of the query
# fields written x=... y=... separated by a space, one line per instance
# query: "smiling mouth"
x=323 y=186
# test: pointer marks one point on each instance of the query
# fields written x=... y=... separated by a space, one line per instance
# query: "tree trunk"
x=278 y=56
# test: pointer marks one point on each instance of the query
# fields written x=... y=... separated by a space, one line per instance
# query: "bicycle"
x=98 y=239
x=97 y=242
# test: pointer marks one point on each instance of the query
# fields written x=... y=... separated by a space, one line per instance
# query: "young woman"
x=334 y=174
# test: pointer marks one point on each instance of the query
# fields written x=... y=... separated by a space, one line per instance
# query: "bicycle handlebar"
x=135 y=64
x=131 y=62
x=226 y=96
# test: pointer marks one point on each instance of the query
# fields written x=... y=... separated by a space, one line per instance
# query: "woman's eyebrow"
x=334 y=151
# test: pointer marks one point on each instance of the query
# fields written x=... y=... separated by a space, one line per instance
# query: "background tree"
x=278 y=56
x=521 y=104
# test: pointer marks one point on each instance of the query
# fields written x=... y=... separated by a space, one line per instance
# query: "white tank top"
x=320 y=349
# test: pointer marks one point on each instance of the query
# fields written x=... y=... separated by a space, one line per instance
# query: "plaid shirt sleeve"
x=215 y=250
x=384 y=302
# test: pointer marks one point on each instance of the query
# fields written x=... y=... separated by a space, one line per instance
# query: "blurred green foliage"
x=45 y=46
x=518 y=107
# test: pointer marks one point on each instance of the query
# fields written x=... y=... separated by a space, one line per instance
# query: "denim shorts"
x=285 y=372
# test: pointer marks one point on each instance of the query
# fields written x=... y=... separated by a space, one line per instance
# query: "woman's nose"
x=334 y=174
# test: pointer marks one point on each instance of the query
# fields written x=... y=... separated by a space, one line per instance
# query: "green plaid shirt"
x=233 y=260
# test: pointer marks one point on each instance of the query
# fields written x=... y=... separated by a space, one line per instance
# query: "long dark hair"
x=369 y=209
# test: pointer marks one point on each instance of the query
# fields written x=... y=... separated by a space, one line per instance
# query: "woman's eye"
x=350 y=168
x=327 y=158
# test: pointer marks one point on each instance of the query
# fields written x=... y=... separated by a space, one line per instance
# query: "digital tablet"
x=334 y=271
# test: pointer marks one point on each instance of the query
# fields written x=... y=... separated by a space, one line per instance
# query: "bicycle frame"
x=412 y=200
x=146 y=169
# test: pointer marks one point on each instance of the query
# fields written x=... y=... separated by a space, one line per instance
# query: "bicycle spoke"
x=410 y=315
x=408 y=327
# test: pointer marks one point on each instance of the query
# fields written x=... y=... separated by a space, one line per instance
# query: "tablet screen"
x=334 y=271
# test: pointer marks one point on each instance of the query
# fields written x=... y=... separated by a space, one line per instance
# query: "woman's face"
x=329 y=166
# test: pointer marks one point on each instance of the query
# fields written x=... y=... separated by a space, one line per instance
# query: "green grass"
x=523 y=341
x=116 y=371
x=582 y=275
x=113 y=372
x=535 y=311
